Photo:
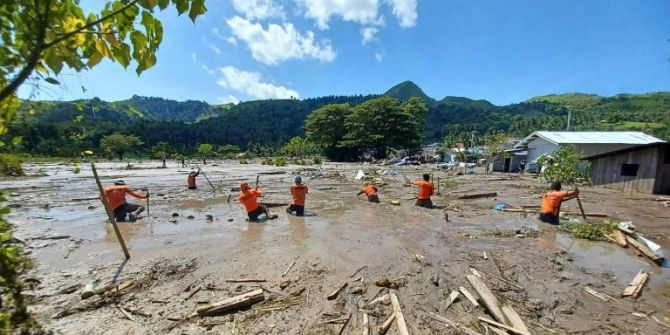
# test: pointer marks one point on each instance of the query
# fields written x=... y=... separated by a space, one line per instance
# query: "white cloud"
x=405 y=11
x=214 y=48
x=258 y=9
x=368 y=34
x=231 y=40
x=379 y=57
x=279 y=42
x=194 y=57
x=361 y=11
x=250 y=84
x=229 y=99
x=207 y=69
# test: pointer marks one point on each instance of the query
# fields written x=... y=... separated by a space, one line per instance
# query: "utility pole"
x=569 y=115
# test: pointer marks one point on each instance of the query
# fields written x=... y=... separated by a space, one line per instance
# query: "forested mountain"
x=67 y=128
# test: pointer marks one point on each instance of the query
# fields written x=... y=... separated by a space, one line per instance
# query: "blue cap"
x=297 y=179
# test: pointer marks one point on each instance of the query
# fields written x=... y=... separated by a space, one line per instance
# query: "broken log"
x=384 y=299
x=635 y=286
x=503 y=326
x=88 y=291
x=236 y=302
x=643 y=249
x=190 y=295
x=386 y=325
x=514 y=318
x=475 y=272
x=469 y=296
x=479 y=195
x=54 y=237
x=125 y=313
x=399 y=318
x=620 y=238
x=288 y=269
x=490 y=301
x=337 y=291
x=453 y=296
x=596 y=294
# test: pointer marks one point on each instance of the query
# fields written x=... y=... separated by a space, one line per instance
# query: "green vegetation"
x=590 y=231
x=565 y=166
x=118 y=144
x=10 y=165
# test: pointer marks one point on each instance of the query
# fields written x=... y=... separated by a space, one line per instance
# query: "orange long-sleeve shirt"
x=248 y=199
x=116 y=195
x=426 y=189
x=299 y=193
x=369 y=190
x=551 y=202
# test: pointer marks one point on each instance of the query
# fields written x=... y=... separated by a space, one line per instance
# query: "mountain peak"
x=406 y=90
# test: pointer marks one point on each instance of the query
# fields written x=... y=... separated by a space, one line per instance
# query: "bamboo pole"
x=110 y=215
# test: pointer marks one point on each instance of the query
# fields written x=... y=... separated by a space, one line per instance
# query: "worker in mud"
x=191 y=179
x=426 y=189
x=298 y=193
x=370 y=192
x=551 y=202
x=116 y=196
x=248 y=199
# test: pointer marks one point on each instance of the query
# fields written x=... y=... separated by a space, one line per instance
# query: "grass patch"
x=590 y=231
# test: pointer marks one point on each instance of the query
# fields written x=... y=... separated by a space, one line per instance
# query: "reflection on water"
x=299 y=231
x=251 y=236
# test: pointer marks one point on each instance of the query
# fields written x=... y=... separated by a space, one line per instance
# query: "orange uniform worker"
x=191 y=179
x=551 y=202
x=299 y=193
x=426 y=189
x=248 y=200
x=116 y=196
x=370 y=192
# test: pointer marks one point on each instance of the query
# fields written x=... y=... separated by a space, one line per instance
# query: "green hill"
x=406 y=90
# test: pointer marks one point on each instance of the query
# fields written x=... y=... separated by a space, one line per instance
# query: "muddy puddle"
x=346 y=234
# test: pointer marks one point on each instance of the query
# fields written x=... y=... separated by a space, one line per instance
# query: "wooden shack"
x=644 y=168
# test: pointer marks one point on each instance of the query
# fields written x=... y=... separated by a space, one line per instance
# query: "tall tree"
x=119 y=144
x=47 y=35
x=325 y=128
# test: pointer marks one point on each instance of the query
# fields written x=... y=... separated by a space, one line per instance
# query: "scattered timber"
x=645 y=250
x=503 y=326
x=454 y=324
x=453 y=296
x=490 y=301
x=386 y=325
x=337 y=291
x=251 y=280
x=399 y=318
x=288 y=269
x=620 y=238
x=469 y=296
x=635 y=287
x=479 y=195
x=596 y=294
x=366 y=324
x=190 y=295
x=233 y=303
x=54 y=237
x=514 y=318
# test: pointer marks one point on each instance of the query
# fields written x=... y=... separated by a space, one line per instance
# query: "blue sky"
x=504 y=51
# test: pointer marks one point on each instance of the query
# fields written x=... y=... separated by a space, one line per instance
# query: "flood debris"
x=239 y=301
x=635 y=287
x=335 y=293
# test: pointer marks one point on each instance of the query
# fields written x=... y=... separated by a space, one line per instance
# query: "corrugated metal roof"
x=591 y=137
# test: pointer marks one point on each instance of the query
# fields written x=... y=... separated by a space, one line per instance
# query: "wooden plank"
x=386 y=325
x=475 y=272
x=337 y=291
x=643 y=249
x=596 y=294
x=479 y=195
x=366 y=324
x=514 y=318
x=239 y=301
x=452 y=297
x=503 y=326
x=490 y=301
x=288 y=269
x=454 y=324
x=399 y=318
x=469 y=296
x=247 y=280
x=620 y=238
x=635 y=286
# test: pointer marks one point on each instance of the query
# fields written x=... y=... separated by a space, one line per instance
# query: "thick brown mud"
x=542 y=272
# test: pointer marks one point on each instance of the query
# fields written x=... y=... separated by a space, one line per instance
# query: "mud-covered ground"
x=179 y=266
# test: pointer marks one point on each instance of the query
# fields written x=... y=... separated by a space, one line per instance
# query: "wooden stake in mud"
x=205 y=175
x=110 y=215
x=581 y=209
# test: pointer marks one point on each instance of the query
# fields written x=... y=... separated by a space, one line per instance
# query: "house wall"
x=539 y=147
x=662 y=185
x=606 y=171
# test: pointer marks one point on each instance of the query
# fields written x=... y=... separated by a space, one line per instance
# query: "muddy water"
x=347 y=233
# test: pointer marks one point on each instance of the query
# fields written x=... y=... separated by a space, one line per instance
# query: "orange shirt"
x=191 y=181
x=551 y=202
x=299 y=192
x=426 y=189
x=369 y=190
x=248 y=199
x=116 y=195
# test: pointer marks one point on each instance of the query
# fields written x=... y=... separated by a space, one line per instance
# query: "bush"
x=243 y=161
x=279 y=161
x=590 y=231
x=566 y=166
x=318 y=160
x=10 y=165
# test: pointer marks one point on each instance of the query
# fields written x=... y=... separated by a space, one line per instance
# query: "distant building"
x=588 y=143
x=511 y=163
x=644 y=168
